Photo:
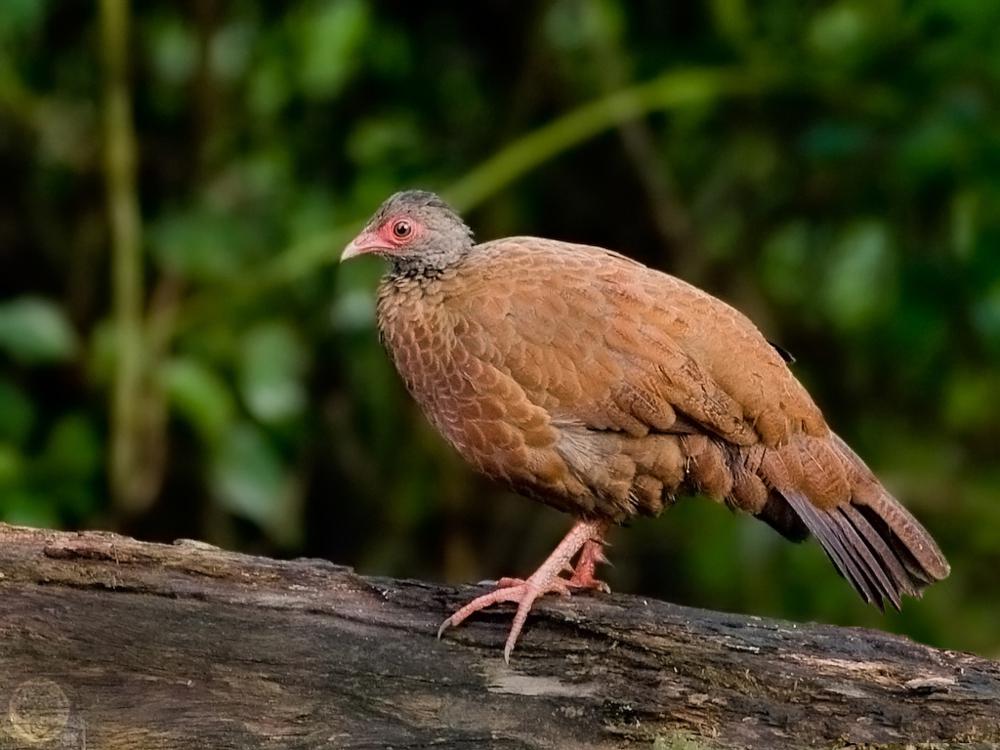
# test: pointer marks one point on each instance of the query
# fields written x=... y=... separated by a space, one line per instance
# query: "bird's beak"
x=364 y=243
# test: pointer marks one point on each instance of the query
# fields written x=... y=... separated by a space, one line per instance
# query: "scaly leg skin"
x=586 y=536
x=583 y=574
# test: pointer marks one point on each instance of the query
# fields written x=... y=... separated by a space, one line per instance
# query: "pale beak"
x=364 y=243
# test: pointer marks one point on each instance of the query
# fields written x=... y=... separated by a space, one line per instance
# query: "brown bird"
x=601 y=387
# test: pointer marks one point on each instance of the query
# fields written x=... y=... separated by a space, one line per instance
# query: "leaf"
x=273 y=360
x=249 y=478
x=25 y=507
x=35 y=331
x=69 y=466
x=201 y=245
x=384 y=140
x=839 y=30
x=21 y=18
x=859 y=279
x=72 y=451
x=831 y=141
x=784 y=262
x=231 y=49
x=268 y=87
x=199 y=396
x=354 y=310
x=986 y=317
x=11 y=469
x=331 y=40
x=17 y=413
x=173 y=50
x=970 y=404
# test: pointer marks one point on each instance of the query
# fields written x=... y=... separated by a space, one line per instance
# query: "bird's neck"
x=412 y=295
x=416 y=328
x=417 y=270
x=431 y=262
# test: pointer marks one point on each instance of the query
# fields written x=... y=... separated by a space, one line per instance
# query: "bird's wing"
x=601 y=340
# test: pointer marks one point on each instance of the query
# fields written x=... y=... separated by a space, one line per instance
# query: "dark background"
x=201 y=367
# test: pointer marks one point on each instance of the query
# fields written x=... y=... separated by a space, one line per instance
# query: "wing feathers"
x=871 y=539
x=893 y=567
x=842 y=553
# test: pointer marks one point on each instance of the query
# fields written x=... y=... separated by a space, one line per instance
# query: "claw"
x=586 y=536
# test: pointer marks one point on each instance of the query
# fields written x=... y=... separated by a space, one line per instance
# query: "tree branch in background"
x=670 y=216
x=672 y=90
x=128 y=491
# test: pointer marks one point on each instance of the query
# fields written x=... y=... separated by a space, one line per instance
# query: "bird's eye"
x=402 y=229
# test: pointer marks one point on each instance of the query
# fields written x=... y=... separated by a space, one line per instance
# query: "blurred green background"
x=180 y=355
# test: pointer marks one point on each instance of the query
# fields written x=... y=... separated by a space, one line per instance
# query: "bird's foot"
x=523 y=592
x=583 y=573
x=547 y=579
x=557 y=585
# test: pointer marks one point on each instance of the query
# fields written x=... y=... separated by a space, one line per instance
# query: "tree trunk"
x=106 y=642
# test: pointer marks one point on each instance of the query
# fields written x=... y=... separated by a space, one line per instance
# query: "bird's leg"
x=547 y=579
x=591 y=554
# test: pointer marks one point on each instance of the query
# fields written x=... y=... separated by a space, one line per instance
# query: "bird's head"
x=413 y=229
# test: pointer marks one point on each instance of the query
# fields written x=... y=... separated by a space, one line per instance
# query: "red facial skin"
x=386 y=239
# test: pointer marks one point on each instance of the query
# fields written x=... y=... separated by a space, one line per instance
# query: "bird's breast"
x=413 y=327
x=418 y=332
x=446 y=363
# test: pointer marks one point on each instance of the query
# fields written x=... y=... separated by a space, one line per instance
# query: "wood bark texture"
x=107 y=642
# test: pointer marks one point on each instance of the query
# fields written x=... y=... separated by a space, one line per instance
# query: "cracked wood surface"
x=112 y=643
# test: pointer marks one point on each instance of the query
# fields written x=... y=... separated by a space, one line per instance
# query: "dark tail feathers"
x=873 y=541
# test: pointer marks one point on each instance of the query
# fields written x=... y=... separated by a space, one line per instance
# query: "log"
x=107 y=642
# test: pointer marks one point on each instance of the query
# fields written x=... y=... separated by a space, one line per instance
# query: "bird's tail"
x=873 y=541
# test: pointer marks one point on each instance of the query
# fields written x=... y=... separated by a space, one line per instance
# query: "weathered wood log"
x=106 y=642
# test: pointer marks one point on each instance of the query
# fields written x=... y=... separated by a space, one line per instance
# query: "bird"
x=606 y=389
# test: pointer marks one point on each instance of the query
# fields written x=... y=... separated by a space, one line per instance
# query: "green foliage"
x=199 y=396
x=833 y=170
x=250 y=478
x=33 y=331
x=272 y=363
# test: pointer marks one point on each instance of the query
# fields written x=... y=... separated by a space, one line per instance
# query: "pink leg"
x=583 y=574
x=548 y=578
